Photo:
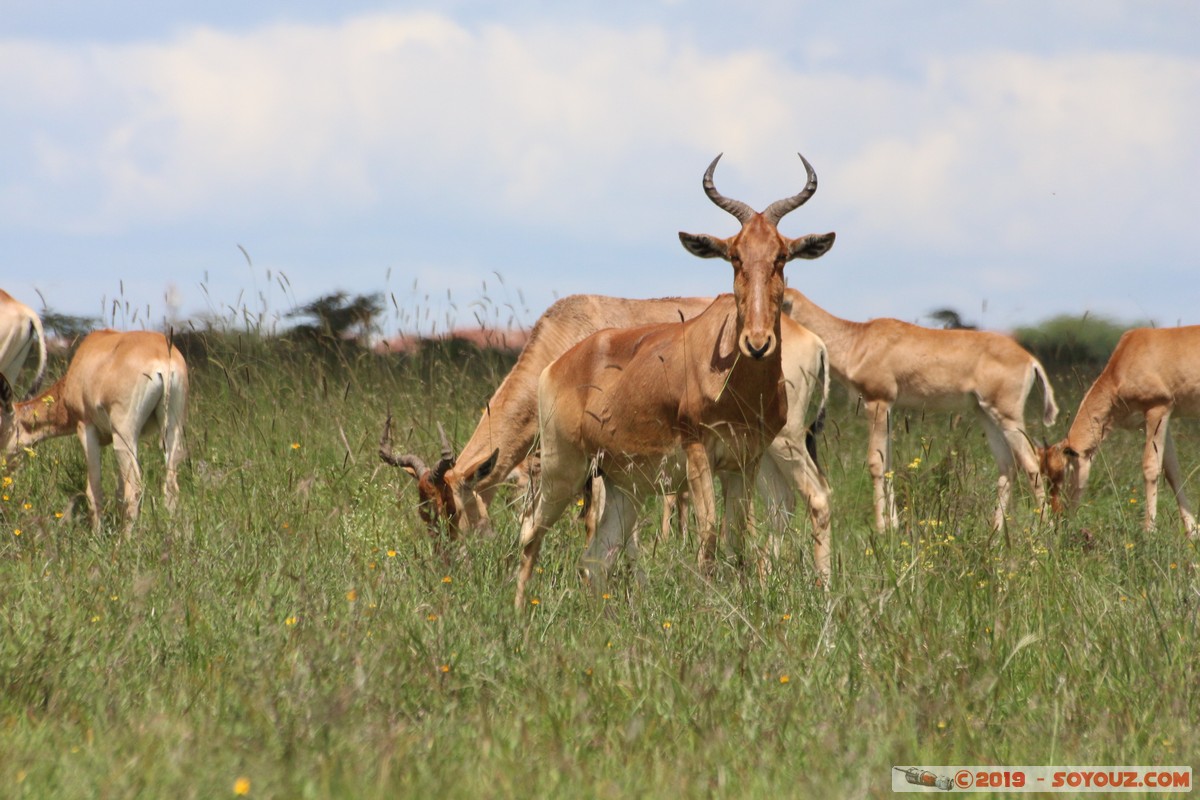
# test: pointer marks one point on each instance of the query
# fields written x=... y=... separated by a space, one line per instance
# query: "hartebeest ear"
x=484 y=469
x=814 y=245
x=6 y=396
x=704 y=246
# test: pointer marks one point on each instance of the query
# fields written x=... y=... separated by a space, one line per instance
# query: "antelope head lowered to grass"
x=1152 y=375
x=20 y=329
x=117 y=388
x=697 y=398
x=435 y=500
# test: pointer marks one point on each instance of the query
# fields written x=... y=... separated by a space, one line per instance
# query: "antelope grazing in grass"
x=894 y=364
x=118 y=387
x=1152 y=374
x=699 y=398
x=20 y=330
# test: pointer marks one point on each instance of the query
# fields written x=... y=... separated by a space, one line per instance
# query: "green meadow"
x=292 y=631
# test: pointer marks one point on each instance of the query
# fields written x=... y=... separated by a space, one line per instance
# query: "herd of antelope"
x=621 y=399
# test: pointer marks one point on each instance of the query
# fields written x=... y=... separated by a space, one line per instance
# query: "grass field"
x=291 y=633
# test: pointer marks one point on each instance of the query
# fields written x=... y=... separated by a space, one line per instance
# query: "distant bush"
x=1073 y=344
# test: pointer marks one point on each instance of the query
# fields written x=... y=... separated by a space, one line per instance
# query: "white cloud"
x=589 y=130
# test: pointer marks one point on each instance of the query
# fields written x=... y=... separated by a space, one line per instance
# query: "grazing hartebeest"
x=118 y=386
x=20 y=327
x=698 y=398
x=1153 y=373
x=893 y=363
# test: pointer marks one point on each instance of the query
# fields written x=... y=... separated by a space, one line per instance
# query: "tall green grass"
x=292 y=632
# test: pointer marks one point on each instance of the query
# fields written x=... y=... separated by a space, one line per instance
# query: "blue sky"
x=1011 y=159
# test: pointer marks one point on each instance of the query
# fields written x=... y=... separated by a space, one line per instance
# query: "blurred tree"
x=951 y=320
x=338 y=317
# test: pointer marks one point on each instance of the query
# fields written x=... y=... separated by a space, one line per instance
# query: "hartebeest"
x=700 y=398
x=456 y=491
x=20 y=330
x=1153 y=373
x=890 y=363
x=117 y=387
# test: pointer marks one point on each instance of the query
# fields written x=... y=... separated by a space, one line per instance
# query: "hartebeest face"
x=758 y=253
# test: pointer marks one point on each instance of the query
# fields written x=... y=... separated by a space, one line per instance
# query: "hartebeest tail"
x=117 y=387
x=1152 y=375
x=20 y=330
x=692 y=399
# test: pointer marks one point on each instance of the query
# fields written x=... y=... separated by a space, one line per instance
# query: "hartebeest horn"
x=777 y=210
x=410 y=463
x=447 y=460
x=740 y=210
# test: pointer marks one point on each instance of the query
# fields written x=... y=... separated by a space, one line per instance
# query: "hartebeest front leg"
x=89 y=438
x=1152 y=458
x=879 y=463
x=615 y=531
x=704 y=501
x=785 y=466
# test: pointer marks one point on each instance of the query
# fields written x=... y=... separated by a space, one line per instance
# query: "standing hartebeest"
x=893 y=363
x=117 y=387
x=20 y=328
x=1153 y=373
x=700 y=398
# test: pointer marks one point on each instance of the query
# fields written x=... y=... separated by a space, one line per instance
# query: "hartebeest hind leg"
x=1175 y=479
x=879 y=463
x=129 y=476
x=551 y=497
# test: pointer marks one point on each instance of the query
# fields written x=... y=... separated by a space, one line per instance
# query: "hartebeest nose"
x=758 y=352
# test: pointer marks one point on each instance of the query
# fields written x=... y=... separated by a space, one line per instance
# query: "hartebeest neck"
x=839 y=335
x=44 y=417
x=1093 y=421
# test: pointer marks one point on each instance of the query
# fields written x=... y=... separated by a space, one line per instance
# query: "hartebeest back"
x=1152 y=375
x=695 y=398
x=117 y=387
x=893 y=363
x=20 y=331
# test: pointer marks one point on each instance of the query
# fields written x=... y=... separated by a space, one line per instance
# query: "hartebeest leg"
x=700 y=486
x=1175 y=479
x=737 y=513
x=90 y=440
x=1152 y=458
x=130 y=476
x=785 y=467
x=879 y=462
x=171 y=424
x=1006 y=466
x=551 y=497
x=615 y=531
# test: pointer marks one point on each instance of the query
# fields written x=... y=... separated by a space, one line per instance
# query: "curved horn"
x=777 y=210
x=739 y=209
x=447 y=449
x=388 y=456
x=447 y=460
